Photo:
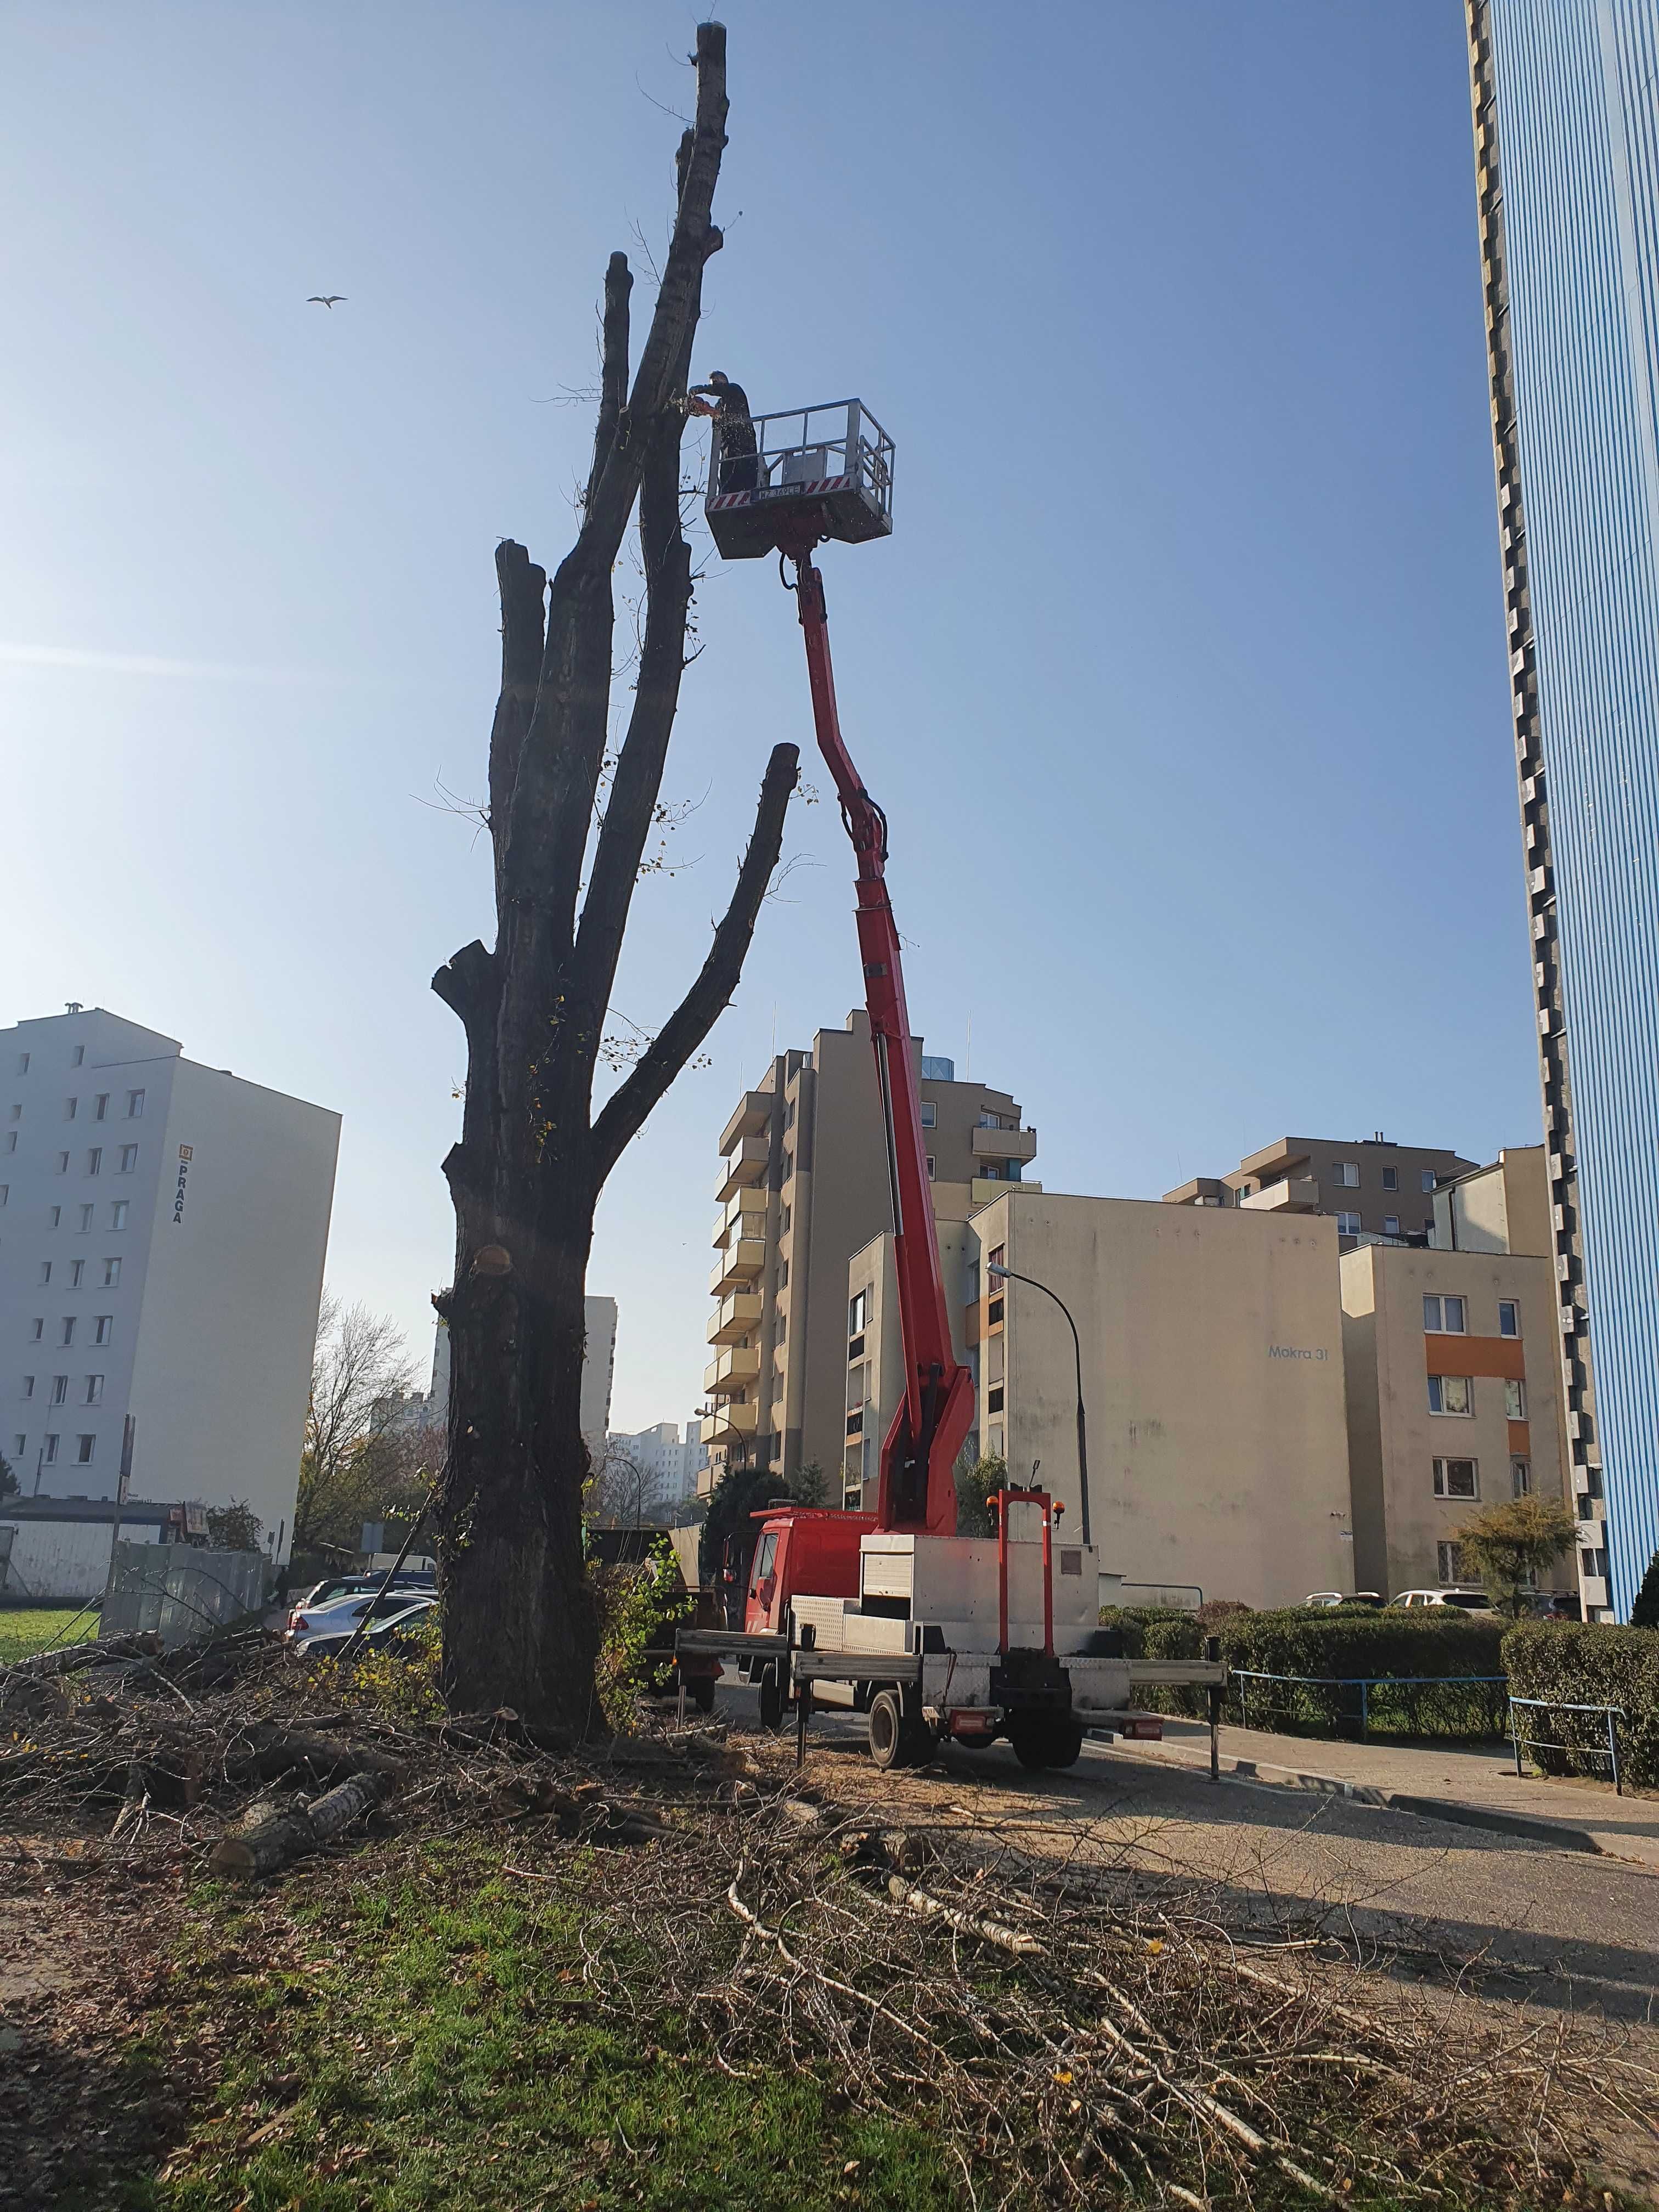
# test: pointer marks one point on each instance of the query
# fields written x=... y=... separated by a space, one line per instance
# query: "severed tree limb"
x=929 y=1907
x=523 y=588
x=625 y=1112
x=613 y=366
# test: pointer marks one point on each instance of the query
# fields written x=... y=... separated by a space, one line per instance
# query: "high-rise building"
x=802 y=1187
x=162 y=1233
x=1371 y=1188
x=1566 y=138
x=664 y=1467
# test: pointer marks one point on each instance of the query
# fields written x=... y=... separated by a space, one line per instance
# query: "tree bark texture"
x=518 y=1629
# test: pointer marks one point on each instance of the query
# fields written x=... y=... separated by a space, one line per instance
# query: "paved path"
x=1565 y=1931
x=1479 y=1787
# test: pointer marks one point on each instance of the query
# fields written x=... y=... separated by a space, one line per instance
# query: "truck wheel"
x=890 y=1739
x=1047 y=1740
x=771 y=1704
x=702 y=1688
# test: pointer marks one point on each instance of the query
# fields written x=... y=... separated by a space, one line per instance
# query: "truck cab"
x=811 y=1548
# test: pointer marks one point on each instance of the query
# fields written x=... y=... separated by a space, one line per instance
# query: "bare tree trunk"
x=518 y=1628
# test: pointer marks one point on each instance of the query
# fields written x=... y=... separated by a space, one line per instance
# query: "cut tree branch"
x=523 y=588
x=613 y=368
x=624 y=1113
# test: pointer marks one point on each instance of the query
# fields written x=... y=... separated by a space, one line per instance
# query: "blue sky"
x=1181 y=678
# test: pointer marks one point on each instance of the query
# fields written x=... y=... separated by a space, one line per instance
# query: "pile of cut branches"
x=1065 y=2028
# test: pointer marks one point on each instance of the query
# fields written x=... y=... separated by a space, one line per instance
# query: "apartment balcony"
x=727 y=1424
x=1005 y=1144
x=734 y=1317
x=733 y=1371
x=984 y=1188
x=744 y=1217
x=738 y=1265
x=753 y=1114
x=1201 y=1190
x=1298 y=1195
x=1277 y=1158
x=746 y=1167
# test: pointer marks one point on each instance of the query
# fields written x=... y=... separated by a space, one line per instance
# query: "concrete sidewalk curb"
x=1559 y=1834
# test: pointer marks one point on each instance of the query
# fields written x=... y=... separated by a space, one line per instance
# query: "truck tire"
x=702 y=1688
x=1047 y=1740
x=771 y=1701
x=890 y=1739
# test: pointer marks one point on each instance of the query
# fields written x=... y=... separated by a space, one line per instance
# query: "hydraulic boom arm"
x=919 y=1452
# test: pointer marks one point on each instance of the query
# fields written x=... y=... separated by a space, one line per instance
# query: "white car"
x=395 y=1614
x=1343 y=1597
x=1465 y=1601
x=342 y=1614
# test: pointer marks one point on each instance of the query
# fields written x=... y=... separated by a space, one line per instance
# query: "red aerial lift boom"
x=919 y=1452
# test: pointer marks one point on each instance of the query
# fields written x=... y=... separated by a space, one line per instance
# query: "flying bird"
x=324 y=299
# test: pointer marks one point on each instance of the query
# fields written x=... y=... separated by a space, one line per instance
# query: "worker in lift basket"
x=729 y=412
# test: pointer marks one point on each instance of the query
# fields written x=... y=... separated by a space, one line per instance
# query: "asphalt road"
x=1417 y=1896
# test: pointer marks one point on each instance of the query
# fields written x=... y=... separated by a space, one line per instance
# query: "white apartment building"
x=668 y=1468
x=163 y=1232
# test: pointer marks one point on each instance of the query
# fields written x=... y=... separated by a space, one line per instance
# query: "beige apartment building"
x=1371 y=1187
x=1212 y=1377
x=804 y=1186
x=1454 y=1401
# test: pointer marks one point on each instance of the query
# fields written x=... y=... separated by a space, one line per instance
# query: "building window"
x=929 y=1115
x=5 y=1192
x=68 y=1328
x=135 y=1104
x=60 y=1390
x=22 y=1063
x=129 y=1158
x=1444 y=1317
x=37 y=1329
x=930 y=1167
x=95 y=1160
x=49 y=1451
x=20 y=1443
x=60 y=1166
x=1456 y=1478
x=995 y=1439
x=118 y=1213
x=77 y=1055
x=45 y=1271
x=1429 y=1180
x=100 y=1106
x=1390 y=1178
x=1347 y=1225
x=1521 y=1478
x=77 y=1268
x=784 y=1219
x=1509 y=1317
x=1449 y=1562
x=16 y=1114
x=112 y=1274
x=1515 y=1401
x=28 y=1386
x=788 y=1167
x=1593 y=1563
x=103 y=1329
x=857 y=1313
x=86 y=1220
x=69 y=1105
x=1345 y=1174
x=95 y=1391
x=54 y=1215
x=783 y=1275
x=1450 y=1393
x=84 y=1449
x=11 y=1140
x=993 y=1399
x=1391 y=1224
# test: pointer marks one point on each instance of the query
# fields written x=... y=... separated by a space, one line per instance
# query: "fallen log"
x=262 y=1846
x=323 y=1758
x=74 y=1657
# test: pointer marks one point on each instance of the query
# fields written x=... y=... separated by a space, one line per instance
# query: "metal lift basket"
x=831 y=465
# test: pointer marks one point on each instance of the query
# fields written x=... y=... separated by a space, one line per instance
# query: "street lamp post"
x=1012 y=1275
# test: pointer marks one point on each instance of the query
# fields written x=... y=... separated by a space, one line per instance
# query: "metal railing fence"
x=1610 y=1716
x=1415 y=1705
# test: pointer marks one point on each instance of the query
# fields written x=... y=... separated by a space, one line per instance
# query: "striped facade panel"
x=1572 y=238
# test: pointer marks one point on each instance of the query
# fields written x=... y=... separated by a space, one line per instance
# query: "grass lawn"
x=26 y=1629
x=426 y=2038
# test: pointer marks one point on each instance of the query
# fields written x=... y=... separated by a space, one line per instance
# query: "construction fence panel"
x=181 y=1592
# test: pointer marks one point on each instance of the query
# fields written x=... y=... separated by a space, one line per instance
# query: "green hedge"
x=1341 y=1641
x=1588 y=1663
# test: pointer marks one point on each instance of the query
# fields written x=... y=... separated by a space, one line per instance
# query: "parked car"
x=1465 y=1601
x=1343 y=1597
x=388 y=1627
x=338 y=1587
x=342 y=1614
